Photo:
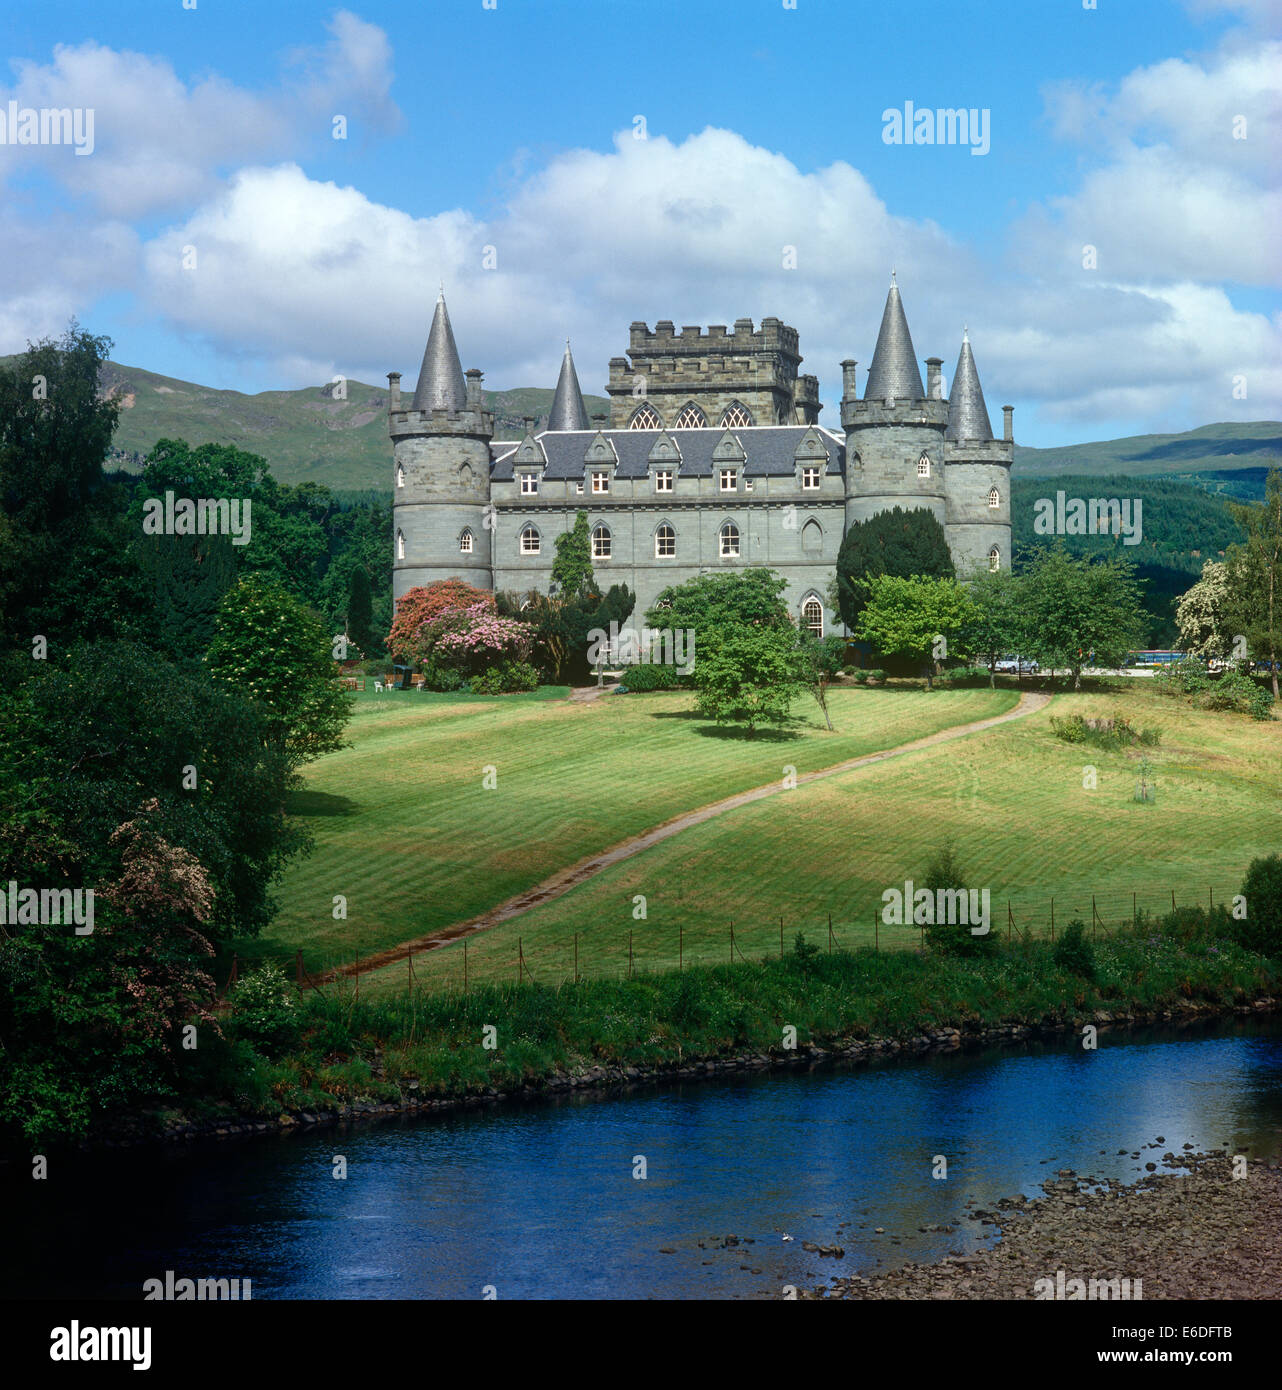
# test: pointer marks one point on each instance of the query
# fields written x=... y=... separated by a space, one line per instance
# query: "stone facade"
x=667 y=501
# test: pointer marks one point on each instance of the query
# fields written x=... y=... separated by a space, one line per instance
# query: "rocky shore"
x=612 y=1079
x=1195 y=1231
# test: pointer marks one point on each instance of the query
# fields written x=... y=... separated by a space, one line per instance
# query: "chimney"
x=1008 y=424
x=599 y=417
x=934 y=382
x=394 y=390
x=848 y=389
x=474 y=399
x=529 y=424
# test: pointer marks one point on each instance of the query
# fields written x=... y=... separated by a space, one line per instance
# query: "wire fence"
x=611 y=952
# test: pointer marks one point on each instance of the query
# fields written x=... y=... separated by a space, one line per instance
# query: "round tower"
x=441 y=517
x=894 y=436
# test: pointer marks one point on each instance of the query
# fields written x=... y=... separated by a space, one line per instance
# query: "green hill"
x=1208 y=456
x=305 y=435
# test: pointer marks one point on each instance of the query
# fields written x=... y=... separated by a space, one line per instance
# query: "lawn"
x=1012 y=801
x=407 y=832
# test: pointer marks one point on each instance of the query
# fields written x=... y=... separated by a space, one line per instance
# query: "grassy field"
x=1012 y=801
x=408 y=834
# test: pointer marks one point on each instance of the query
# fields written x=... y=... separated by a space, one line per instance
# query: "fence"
x=607 y=952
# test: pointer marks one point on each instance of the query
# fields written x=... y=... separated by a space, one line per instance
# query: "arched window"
x=812 y=537
x=646 y=417
x=530 y=541
x=465 y=543
x=993 y=499
x=812 y=616
x=601 y=542
x=400 y=475
x=729 y=540
x=665 y=542
x=691 y=418
x=736 y=416
x=923 y=466
x=400 y=545
x=994 y=559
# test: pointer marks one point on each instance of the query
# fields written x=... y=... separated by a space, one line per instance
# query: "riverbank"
x=1195 y=1231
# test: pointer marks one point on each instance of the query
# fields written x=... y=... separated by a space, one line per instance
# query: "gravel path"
x=1192 y=1232
x=566 y=879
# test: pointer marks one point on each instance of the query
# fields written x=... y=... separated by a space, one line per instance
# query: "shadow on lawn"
x=310 y=803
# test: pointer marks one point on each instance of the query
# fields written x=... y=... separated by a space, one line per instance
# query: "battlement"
x=474 y=423
x=772 y=336
x=863 y=414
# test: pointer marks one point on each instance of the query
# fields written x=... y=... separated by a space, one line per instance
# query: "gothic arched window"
x=400 y=475
x=601 y=542
x=736 y=416
x=923 y=466
x=665 y=542
x=465 y=543
x=993 y=499
x=531 y=542
x=400 y=545
x=812 y=616
x=994 y=559
x=646 y=417
x=691 y=418
x=729 y=540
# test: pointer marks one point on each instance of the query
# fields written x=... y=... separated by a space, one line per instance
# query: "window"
x=729 y=540
x=810 y=476
x=465 y=543
x=646 y=417
x=400 y=545
x=729 y=479
x=400 y=475
x=923 y=466
x=691 y=418
x=601 y=540
x=663 y=480
x=578 y=488
x=993 y=499
x=665 y=542
x=529 y=484
x=600 y=482
x=530 y=543
x=812 y=616
x=735 y=416
x=994 y=559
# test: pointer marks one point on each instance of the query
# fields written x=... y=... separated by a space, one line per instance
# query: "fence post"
x=780 y=938
x=1052 y=919
x=356 y=993
x=629 y=953
x=731 y=943
x=465 y=965
x=681 y=946
x=576 y=958
x=830 y=933
x=1133 y=909
x=520 y=960
x=1210 y=897
x=876 y=931
x=1010 y=921
x=1172 y=899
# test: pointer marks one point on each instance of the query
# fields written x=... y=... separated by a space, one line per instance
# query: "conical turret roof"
x=568 y=411
x=967 y=413
x=894 y=371
x=440 y=378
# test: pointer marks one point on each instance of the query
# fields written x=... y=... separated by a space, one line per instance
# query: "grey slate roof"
x=967 y=413
x=769 y=449
x=568 y=411
x=440 y=378
x=894 y=371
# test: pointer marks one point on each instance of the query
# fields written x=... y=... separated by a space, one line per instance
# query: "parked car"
x=1017 y=666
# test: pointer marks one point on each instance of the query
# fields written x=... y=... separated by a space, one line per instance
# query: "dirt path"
x=564 y=880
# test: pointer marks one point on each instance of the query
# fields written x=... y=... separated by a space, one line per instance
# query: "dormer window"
x=729 y=479
x=600 y=482
x=663 y=480
x=529 y=484
x=923 y=466
x=810 y=477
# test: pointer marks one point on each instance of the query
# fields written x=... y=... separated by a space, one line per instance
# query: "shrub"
x=443 y=678
x=1074 y=953
x=651 y=677
x=1185 y=677
x=860 y=676
x=956 y=939
x=965 y=675
x=1261 y=929
x=263 y=1012
x=1110 y=734
x=507 y=678
x=877 y=676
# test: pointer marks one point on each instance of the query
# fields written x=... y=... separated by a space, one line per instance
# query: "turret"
x=568 y=411
x=441 y=469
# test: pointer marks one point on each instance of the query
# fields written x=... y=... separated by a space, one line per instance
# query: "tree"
x=271 y=649
x=1261 y=929
x=572 y=567
x=419 y=606
x=897 y=542
x=1200 y=614
x=711 y=604
x=189 y=576
x=995 y=626
x=1079 y=609
x=817 y=661
x=1254 y=600
x=360 y=611
x=906 y=617
x=749 y=675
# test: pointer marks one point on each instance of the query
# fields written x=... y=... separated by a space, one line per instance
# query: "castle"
x=712 y=459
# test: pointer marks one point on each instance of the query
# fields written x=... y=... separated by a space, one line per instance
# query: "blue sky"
x=514 y=128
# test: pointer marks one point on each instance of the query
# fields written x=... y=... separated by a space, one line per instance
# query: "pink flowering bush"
x=472 y=643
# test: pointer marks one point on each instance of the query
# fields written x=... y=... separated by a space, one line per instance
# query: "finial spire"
x=894 y=373
x=893 y=281
x=967 y=413
x=568 y=411
x=440 y=378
